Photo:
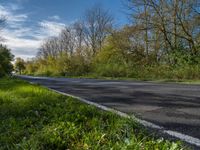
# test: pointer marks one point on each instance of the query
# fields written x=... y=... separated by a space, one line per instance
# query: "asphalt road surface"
x=174 y=106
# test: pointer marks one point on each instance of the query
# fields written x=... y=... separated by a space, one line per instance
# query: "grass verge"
x=92 y=76
x=36 y=118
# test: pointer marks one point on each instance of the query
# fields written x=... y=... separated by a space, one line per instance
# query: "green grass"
x=35 y=118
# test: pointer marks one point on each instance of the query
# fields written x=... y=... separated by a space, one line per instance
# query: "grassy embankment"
x=35 y=118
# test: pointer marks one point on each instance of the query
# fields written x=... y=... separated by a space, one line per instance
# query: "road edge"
x=186 y=138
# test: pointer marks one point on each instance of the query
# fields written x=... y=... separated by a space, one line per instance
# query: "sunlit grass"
x=35 y=118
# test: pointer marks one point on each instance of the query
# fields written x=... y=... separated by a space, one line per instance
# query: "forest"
x=162 y=41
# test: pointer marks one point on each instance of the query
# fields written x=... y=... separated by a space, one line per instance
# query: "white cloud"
x=51 y=28
x=15 y=30
x=10 y=16
x=17 y=42
x=24 y=40
x=55 y=17
x=19 y=45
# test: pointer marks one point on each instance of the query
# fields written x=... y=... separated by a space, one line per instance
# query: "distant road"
x=174 y=106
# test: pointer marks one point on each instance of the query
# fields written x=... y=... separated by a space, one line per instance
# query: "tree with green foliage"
x=20 y=65
x=6 y=57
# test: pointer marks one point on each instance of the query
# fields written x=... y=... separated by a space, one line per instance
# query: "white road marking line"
x=186 y=138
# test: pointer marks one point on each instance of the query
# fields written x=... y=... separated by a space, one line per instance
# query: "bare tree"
x=79 y=33
x=67 y=39
x=49 y=48
x=97 y=24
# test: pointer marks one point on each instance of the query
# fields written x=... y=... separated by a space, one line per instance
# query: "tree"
x=6 y=57
x=68 y=40
x=98 y=23
x=170 y=24
x=19 y=65
x=79 y=33
x=31 y=67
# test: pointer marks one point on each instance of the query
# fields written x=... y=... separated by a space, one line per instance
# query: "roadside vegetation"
x=162 y=41
x=6 y=57
x=35 y=118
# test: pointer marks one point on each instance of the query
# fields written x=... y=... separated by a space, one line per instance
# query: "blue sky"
x=29 y=22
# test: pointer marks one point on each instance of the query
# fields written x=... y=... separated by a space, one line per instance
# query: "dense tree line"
x=162 y=41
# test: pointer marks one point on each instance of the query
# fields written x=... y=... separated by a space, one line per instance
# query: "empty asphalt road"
x=174 y=106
